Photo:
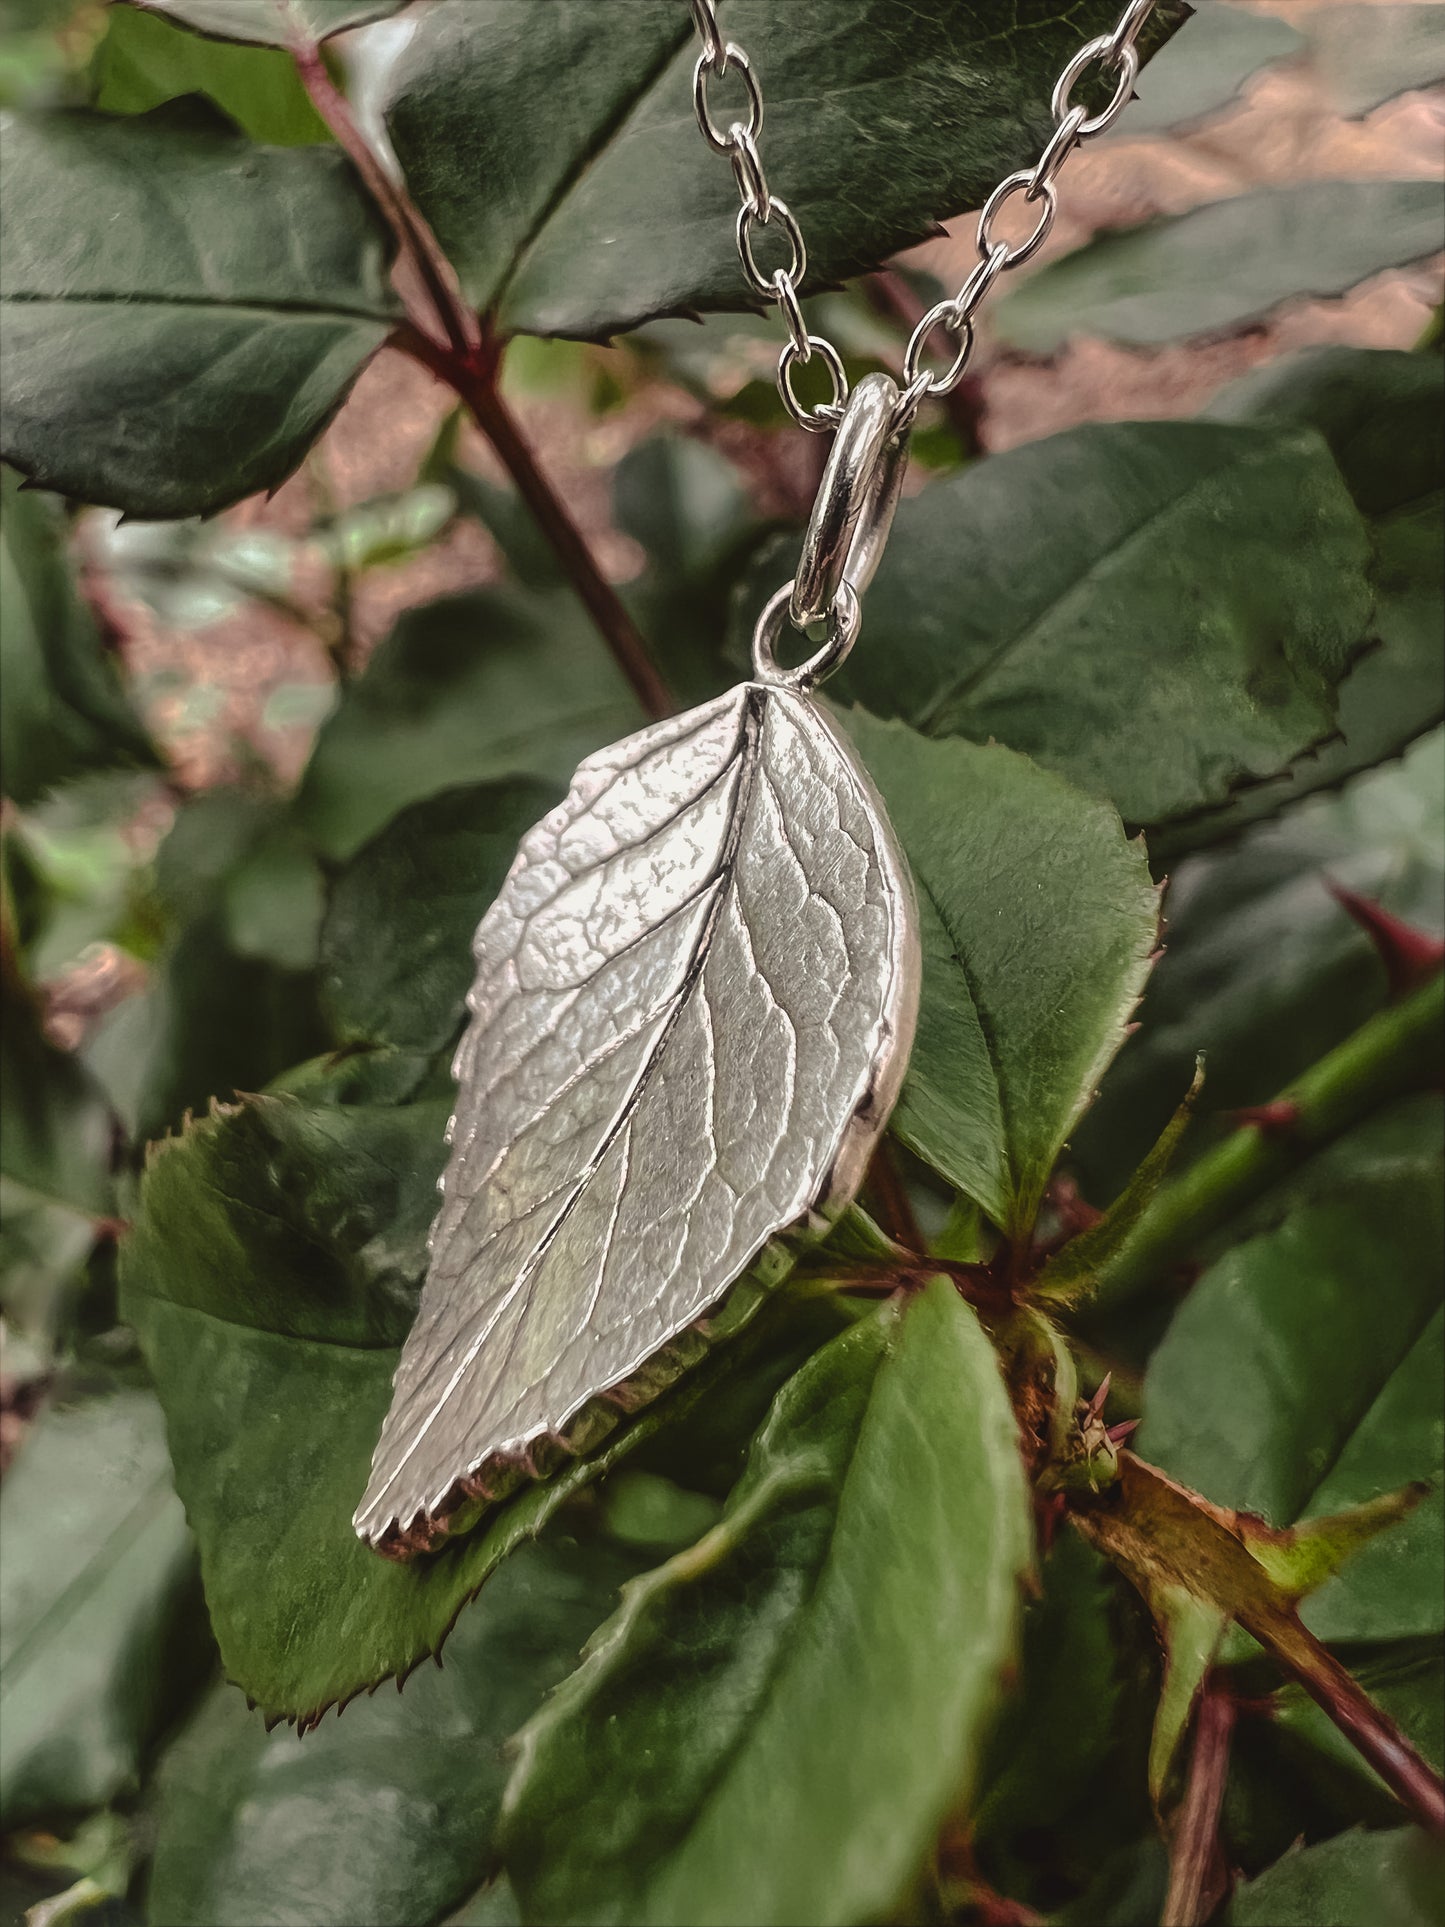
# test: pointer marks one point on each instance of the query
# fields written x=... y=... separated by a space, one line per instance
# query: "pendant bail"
x=856 y=500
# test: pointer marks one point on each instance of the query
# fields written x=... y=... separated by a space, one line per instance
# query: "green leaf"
x=62 y=710
x=1407 y=1683
x=100 y=1612
x=169 y=370
x=1366 y=55
x=272 y=1272
x=1383 y=415
x=143 y=61
x=1066 y=1278
x=472 y=688
x=1201 y=592
x=1354 y=1880
x=232 y=998
x=56 y=1140
x=1302 y=1375
x=884 y=119
x=1262 y=970
x=274 y=23
x=396 y=947
x=1163 y=281
x=1037 y=921
x=387 y=1814
x=1205 y=67
x=704 y=1763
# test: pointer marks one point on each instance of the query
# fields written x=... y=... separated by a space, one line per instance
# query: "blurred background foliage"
x=207 y=722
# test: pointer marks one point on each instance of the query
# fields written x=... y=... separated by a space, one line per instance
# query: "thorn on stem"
x=1411 y=956
x=1280 y=1118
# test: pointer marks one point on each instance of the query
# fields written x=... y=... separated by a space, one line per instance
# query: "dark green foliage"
x=856 y=1608
x=172 y=376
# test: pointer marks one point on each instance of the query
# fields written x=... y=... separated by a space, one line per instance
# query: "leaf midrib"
x=279 y=305
x=968 y=683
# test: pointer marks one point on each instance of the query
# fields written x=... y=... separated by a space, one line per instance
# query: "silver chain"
x=1115 y=53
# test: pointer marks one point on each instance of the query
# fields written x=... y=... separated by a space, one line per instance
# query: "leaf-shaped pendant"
x=694 y=1000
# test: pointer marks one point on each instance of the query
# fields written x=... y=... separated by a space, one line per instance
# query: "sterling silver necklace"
x=695 y=994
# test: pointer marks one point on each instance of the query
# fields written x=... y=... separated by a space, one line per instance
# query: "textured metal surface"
x=694 y=1000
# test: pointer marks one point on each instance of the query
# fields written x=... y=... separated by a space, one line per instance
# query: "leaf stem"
x=466 y=356
x=1197 y=1876
x=1395 y=1052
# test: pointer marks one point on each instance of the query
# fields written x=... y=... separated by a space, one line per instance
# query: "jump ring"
x=786 y=296
x=827 y=414
x=1062 y=142
x=1020 y=183
x=1129 y=26
x=748 y=172
x=1126 y=59
x=733 y=56
x=845 y=618
x=705 y=20
x=966 y=303
x=944 y=316
x=779 y=211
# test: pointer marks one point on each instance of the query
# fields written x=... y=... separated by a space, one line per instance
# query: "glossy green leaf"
x=143 y=61
x=1262 y=970
x=1163 y=281
x=387 y=1814
x=1182 y=630
x=1205 y=67
x=1320 y=1345
x=274 y=23
x=1355 y=1880
x=470 y=689
x=1366 y=55
x=272 y=1272
x=99 y=1604
x=883 y=1508
x=1383 y=415
x=171 y=370
x=62 y=708
x=396 y=947
x=586 y=209
x=1037 y=920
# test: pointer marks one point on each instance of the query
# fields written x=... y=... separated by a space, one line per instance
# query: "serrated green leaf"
x=1219 y=49
x=143 y=61
x=1302 y=1375
x=274 y=23
x=100 y=1609
x=1355 y=1880
x=472 y=688
x=271 y=1272
x=387 y=1814
x=1037 y=921
x=1262 y=969
x=396 y=946
x=62 y=709
x=883 y=1507
x=170 y=370
x=559 y=220
x=1162 y=282
x=1181 y=632
x=1065 y=1279
x=1383 y=415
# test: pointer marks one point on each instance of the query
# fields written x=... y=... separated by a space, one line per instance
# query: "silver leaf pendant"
x=694 y=1001
x=693 y=1005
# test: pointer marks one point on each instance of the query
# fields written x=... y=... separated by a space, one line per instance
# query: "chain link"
x=1113 y=53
